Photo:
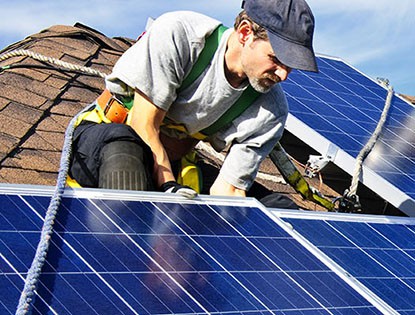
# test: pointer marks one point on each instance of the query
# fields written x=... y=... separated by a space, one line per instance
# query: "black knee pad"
x=124 y=165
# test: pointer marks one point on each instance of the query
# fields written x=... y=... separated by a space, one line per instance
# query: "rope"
x=34 y=272
x=370 y=144
x=33 y=275
x=60 y=63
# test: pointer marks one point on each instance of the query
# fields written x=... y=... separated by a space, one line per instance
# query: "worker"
x=268 y=40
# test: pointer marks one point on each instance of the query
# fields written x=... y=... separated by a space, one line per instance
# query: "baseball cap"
x=290 y=28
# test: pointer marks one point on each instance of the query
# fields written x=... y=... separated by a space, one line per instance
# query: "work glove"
x=174 y=187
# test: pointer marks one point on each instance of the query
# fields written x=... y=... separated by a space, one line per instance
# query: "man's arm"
x=146 y=119
x=222 y=188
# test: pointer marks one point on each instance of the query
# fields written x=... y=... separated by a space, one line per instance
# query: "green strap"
x=202 y=62
x=244 y=101
x=205 y=57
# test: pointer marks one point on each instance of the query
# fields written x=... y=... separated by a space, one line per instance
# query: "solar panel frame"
x=332 y=99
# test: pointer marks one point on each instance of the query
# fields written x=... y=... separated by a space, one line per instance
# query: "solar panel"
x=377 y=251
x=151 y=253
x=336 y=111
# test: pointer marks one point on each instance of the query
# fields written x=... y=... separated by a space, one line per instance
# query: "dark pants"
x=110 y=156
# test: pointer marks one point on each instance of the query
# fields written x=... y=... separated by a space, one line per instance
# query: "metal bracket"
x=315 y=164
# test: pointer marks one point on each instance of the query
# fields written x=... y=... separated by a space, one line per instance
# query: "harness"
x=115 y=109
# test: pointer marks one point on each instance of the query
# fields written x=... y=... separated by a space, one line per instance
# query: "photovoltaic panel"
x=377 y=251
x=337 y=110
x=125 y=253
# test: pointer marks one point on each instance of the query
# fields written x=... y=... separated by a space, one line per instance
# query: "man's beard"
x=259 y=85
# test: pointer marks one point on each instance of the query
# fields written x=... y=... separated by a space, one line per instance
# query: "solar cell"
x=140 y=253
x=337 y=110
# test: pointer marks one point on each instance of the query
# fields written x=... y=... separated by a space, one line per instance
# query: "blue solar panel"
x=124 y=253
x=379 y=252
x=339 y=108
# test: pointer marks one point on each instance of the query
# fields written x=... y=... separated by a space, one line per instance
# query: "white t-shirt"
x=159 y=62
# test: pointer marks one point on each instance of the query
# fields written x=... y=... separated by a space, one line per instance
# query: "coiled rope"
x=370 y=144
x=33 y=275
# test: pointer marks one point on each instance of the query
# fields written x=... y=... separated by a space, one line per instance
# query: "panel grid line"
x=151 y=258
x=272 y=261
x=214 y=259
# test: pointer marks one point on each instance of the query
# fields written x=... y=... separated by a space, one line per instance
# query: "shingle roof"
x=409 y=98
x=36 y=105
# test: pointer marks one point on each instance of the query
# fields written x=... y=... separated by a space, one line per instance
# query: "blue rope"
x=33 y=275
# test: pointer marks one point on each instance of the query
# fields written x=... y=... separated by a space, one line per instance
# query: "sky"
x=374 y=36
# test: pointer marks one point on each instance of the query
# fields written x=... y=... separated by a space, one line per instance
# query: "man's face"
x=260 y=65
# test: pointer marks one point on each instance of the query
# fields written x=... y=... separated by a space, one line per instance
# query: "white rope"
x=60 y=63
x=369 y=145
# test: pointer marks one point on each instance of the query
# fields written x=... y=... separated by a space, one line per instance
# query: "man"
x=270 y=37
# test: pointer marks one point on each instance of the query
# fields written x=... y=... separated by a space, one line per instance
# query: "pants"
x=110 y=156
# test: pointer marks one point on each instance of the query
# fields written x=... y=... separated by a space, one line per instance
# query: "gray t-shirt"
x=159 y=62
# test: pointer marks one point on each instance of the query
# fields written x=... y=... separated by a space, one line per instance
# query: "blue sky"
x=375 y=36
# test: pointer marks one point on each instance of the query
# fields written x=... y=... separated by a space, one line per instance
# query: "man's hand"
x=174 y=187
x=222 y=188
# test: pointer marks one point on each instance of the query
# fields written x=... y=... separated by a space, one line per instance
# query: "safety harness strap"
x=205 y=57
x=243 y=102
x=295 y=179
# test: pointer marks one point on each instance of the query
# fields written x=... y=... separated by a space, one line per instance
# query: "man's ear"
x=244 y=31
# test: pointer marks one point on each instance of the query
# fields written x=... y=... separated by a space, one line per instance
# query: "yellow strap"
x=72 y=183
x=95 y=115
x=197 y=135
x=290 y=172
x=297 y=181
x=190 y=174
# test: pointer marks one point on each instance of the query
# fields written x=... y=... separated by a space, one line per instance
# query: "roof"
x=36 y=105
x=409 y=98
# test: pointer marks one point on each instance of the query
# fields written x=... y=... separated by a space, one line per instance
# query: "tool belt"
x=115 y=108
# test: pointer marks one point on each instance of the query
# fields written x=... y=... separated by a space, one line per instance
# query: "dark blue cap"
x=290 y=28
